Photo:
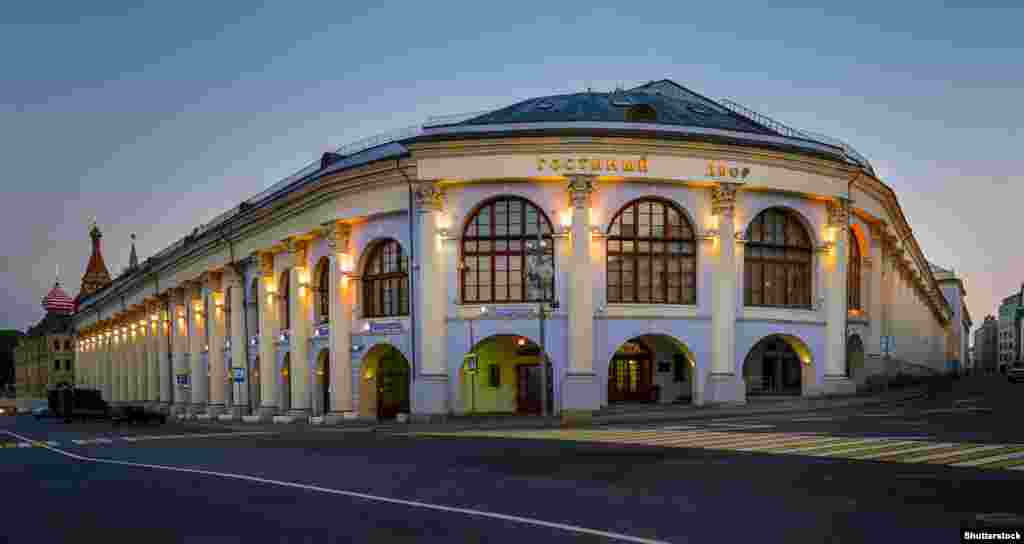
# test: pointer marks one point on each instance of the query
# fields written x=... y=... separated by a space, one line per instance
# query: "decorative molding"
x=429 y=197
x=580 y=190
x=723 y=198
x=838 y=212
x=338 y=236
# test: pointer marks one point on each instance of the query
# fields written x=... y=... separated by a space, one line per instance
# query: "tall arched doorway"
x=323 y=382
x=504 y=377
x=384 y=387
x=776 y=366
x=855 y=358
x=285 y=383
x=651 y=368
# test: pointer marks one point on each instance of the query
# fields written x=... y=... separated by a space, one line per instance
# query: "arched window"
x=494 y=250
x=283 y=315
x=385 y=281
x=777 y=262
x=853 y=273
x=652 y=254
x=323 y=289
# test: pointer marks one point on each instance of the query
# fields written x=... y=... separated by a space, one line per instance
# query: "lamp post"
x=540 y=273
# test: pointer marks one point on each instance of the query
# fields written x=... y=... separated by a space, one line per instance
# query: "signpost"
x=540 y=272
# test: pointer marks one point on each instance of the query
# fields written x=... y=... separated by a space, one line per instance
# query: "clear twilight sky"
x=155 y=118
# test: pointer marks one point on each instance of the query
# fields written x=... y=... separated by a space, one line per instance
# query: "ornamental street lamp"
x=540 y=274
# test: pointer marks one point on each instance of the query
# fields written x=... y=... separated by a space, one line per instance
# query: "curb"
x=597 y=421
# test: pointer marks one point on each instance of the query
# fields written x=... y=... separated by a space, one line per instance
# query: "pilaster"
x=299 y=292
x=430 y=384
x=215 y=350
x=874 y=302
x=580 y=393
x=340 y=316
x=268 y=301
x=199 y=378
x=836 y=379
x=723 y=384
x=234 y=285
x=179 y=310
x=161 y=337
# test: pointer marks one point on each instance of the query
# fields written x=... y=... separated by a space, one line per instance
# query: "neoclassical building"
x=702 y=253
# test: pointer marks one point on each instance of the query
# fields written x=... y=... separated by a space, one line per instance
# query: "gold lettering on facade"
x=592 y=165
x=717 y=169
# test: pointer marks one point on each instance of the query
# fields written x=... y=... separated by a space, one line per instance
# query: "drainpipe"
x=412 y=275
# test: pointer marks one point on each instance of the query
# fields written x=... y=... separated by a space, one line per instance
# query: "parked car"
x=77 y=403
x=8 y=411
x=1015 y=373
x=136 y=414
x=42 y=412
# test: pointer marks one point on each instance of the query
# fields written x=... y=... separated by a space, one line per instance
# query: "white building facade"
x=700 y=255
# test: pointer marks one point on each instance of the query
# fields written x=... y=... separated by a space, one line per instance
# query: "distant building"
x=45 y=355
x=1010 y=328
x=986 y=345
x=958 y=339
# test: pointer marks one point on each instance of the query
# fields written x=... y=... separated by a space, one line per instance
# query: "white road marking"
x=987 y=460
x=955 y=410
x=739 y=426
x=24 y=444
x=954 y=453
x=902 y=452
x=875 y=414
x=812 y=419
x=365 y=496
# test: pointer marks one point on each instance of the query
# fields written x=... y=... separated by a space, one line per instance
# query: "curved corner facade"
x=399 y=281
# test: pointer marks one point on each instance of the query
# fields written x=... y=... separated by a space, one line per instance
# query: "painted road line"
x=834 y=449
x=832 y=442
x=874 y=447
x=902 y=456
x=925 y=446
x=796 y=445
x=943 y=457
x=746 y=440
x=680 y=428
x=956 y=410
x=895 y=446
x=991 y=459
x=1004 y=464
x=24 y=444
x=888 y=414
x=739 y=426
x=80 y=442
x=812 y=419
x=716 y=441
x=995 y=450
x=363 y=496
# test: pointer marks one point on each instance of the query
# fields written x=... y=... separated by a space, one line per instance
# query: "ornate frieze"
x=338 y=235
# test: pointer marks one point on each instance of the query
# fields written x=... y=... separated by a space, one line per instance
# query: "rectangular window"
x=67 y=365
x=494 y=376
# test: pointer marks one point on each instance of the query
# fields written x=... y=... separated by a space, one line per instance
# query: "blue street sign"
x=239 y=374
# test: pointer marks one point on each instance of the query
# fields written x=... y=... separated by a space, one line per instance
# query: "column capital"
x=266 y=260
x=838 y=212
x=338 y=235
x=581 y=187
x=723 y=198
x=429 y=196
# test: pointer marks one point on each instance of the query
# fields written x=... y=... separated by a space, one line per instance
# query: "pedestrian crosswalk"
x=883 y=449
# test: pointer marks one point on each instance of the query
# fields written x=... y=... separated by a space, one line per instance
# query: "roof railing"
x=791 y=132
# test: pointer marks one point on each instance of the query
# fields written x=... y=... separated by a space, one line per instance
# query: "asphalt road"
x=304 y=485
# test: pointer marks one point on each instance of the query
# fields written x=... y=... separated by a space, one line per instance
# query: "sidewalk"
x=641 y=413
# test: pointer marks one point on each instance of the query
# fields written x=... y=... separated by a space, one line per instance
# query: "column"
x=340 y=316
x=835 y=378
x=215 y=351
x=724 y=385
x=298 y=314
x=234 y=286
x=161 y=339
x=581 y=394
x=153 y=349
x=117 y=363
x=874 y=302
x=178 y=314
x=430 y=380
x=199 y=378
x=268 y=302
x=108 y=391
x=141 y=359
